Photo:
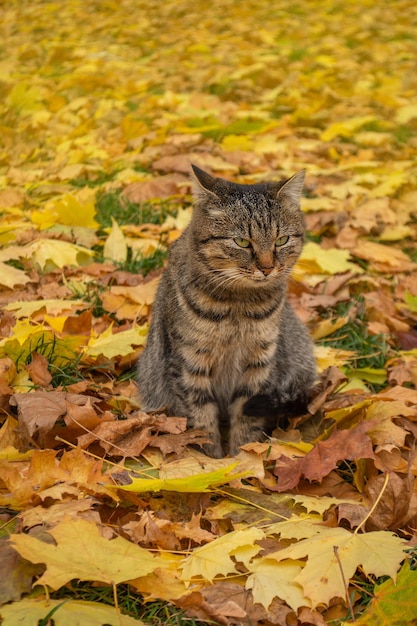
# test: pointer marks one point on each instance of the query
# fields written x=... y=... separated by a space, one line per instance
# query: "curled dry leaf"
x=38 y=370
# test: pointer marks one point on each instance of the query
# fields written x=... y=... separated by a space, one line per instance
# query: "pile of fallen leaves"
x=103 y=107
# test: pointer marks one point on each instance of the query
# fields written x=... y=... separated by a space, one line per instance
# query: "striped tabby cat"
x=225 y=347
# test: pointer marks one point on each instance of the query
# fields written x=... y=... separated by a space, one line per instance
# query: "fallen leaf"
x=111 y=344
x=200 y=482
x=385 y=258
x=115 y=247
x=38 y=370
x=392 y=601
x=11 y=276
x=81 y=552
x=214 y=559
x=379 y=553
x=65 y=611
x=353 y=443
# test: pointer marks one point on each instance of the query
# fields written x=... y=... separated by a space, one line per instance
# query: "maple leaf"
x=315 y=260
x=269 y=579
x=49 y=254
x=215 y=559
x=197 y=483
x=53 y=307
x=38 y=370
x=112 y=344
x=351 y=443
x=13 y=587
x=63 y=612
x=82 y=553
x=68 y=210
x=379 y=553
x=393 y=601
x=115 y=247
x=11 y=276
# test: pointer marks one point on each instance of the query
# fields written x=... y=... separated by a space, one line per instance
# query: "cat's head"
x=247 y=235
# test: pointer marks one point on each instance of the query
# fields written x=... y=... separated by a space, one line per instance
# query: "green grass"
x=142 y=264
x=109 y=204
x=371 y=350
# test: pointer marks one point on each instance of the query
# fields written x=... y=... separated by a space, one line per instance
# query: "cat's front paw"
x=214 y=450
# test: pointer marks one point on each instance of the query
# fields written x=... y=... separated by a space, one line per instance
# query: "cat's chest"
x=230 y=347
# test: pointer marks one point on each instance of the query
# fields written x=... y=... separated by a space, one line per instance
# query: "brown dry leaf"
x=131 y=436
x=385 y=434
x=9 y=434
x=50 y=516
x=353 y=443
x=7 y=375
x=12 y=587
x=381 y=308
x=38 y=411
x=44 y=476
x=78 y=324
x=153 y=532
x=192 y=530
x=393 y=509
x=178 y=442
x=239 y=608
x=399 y=393
x=158 y=187
x=386 y=259
x=130 y=302
x=330 y=380
x=38 y=370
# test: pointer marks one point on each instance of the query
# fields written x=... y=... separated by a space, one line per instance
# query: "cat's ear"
x=292 y=188
x=204 y=183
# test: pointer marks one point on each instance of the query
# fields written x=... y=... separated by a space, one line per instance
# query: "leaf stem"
x=375 y=504
x=336 y=553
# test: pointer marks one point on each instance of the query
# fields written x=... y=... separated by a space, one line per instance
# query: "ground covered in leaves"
x=112 y=516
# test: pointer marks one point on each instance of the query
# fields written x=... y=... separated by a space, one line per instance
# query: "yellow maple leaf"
x=392 y=181
x=345 y=128
x=27 y=335
x=379 y=553
x=145 y=245
x=328 y=326
x=11 y=276
x=406 y=113
x=49 y=253
x=237 y=142
x=32 y=611
x=24 y=99
x=82 y=553
x=53 y=307
x=327 y=356
x=115 y=247
x=118 y=344
x=269 y=579
x=8 y=230
x=68 y=210
x=197 y=483
x=214 y=558
x=330 y=261
x=22 y=330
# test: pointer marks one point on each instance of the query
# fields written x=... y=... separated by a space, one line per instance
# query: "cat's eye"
x=281 y=241
x=242 y=243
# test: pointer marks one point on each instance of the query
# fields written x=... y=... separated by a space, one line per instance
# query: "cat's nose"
x=266 y=270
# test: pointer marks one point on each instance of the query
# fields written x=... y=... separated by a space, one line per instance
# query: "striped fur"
x=224 y=345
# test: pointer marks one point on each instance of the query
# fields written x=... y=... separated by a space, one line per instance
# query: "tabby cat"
x=224 y=345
